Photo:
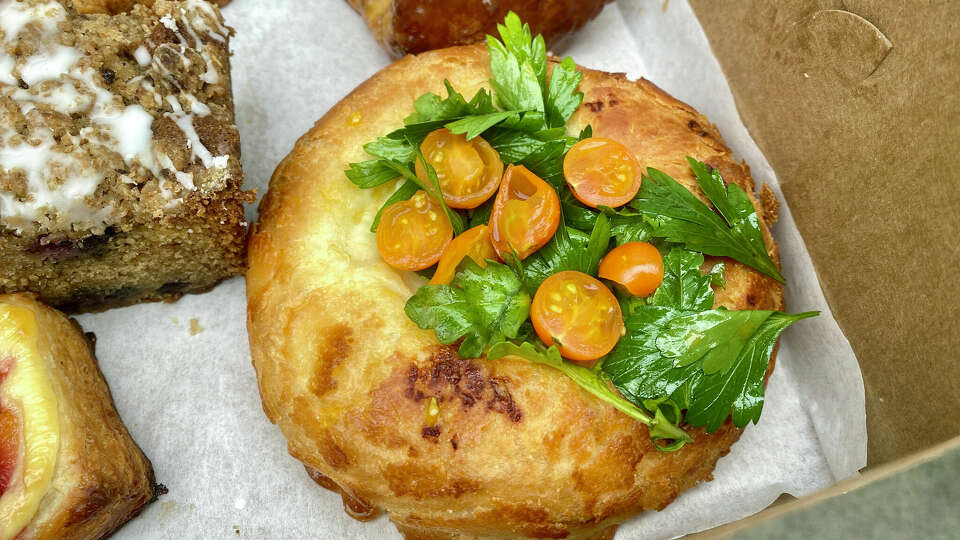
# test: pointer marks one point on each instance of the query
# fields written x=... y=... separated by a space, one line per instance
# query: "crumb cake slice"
x=120 y=177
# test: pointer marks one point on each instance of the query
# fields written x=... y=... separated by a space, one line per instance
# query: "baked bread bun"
x=414 y=26
x=518 y=449
x=68 y=467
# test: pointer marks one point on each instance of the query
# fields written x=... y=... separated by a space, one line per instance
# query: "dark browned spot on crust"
x=419 y=481
x=336 y=346
x=751 y=299
x=696 y=128
x=502 y=402
x=594 y=106
x=455 y=441
x=332 y=454
x=431 y=433
x=449 y=377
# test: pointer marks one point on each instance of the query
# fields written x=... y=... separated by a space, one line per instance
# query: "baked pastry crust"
x=519 y=449
x=414 y=26
x=101 y=478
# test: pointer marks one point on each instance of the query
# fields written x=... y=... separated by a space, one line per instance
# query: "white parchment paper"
x=181 y=374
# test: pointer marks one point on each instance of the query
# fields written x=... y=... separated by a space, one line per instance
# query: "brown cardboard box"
x=856 y=104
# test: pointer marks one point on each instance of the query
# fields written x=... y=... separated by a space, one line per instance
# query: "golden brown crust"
x=519 y=449
x=102 y=478
x=414 y=26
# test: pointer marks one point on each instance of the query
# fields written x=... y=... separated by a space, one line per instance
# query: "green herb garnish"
x=680 y=217
x=681 y=360
x=481 y=305
x=715 y=358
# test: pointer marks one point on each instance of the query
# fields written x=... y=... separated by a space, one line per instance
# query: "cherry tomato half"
x=637 y=266
x=473 y=243
x=469 y=171
x=413 y=233
x=579 y=314
x=602 y=172
x=525 y=214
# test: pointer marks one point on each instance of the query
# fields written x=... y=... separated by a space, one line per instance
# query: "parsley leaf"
x=432 y=108
x=473 y=126
x=519 y=66
x=719 y=355
x=594 y=382
x=683 y=286
x=569 y=249
x=389 y=148
x=741 y=386
x=680 y=217
x=547 y=163
x=371 y=173
x=481 y=305
x=562 y=96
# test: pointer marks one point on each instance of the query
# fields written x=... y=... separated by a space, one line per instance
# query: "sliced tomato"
x=473 y=243
x=413 y=233
x=525 y=214
x=637 y=266
x=602 y=172
x=469 y=171
x=577 y=313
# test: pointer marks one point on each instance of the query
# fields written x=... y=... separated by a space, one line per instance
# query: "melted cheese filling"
x=26 y=389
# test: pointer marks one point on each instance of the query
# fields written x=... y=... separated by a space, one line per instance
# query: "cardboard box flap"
x=856 y=106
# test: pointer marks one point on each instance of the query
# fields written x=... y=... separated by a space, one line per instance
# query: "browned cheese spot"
x=337 y=343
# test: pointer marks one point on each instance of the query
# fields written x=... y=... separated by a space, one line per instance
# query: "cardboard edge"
x=779 y=509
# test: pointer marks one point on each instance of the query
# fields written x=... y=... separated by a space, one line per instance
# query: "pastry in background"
x=68 y=467
x=413 y=26
x=120 y=177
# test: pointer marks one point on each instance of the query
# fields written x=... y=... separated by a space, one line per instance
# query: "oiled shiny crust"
x=414 y=26
x=519 y=449
x=102 y=479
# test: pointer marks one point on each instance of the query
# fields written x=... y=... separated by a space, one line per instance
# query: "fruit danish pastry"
x=68 y=467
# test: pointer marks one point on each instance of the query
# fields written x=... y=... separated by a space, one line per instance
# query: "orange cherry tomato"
x=637 y=266
x=473 y=243
x=469 y=171
x=602 y=172
x=413 y=233
x=525 y=213
x=578 y=314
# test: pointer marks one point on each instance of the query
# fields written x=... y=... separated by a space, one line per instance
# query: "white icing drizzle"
x=57 y=77
x=142 y=56
x=184 y=121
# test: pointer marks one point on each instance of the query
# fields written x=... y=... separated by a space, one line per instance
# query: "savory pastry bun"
x=68 y=467
x=414 y=26
x=518 y=449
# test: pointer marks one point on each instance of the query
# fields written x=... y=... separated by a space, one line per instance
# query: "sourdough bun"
x=519 y=449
